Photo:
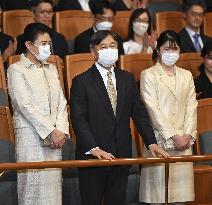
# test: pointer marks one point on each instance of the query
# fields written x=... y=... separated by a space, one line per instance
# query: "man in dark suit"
x=192 y=38
x=103 y=16
x=102 y=101
x=43 y=13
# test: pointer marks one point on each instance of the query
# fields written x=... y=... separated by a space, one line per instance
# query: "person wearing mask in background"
x=140 y=37
x=40 y=118
x=203 y=82
x=168 y=93
x=102 y=101
x=192 y=38
x=73 y=5
x=103 y=17
x=43 y=13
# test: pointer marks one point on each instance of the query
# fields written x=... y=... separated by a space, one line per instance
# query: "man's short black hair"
x=36 y=4
x=189 y=3
x=98 y=6
x=98 y=36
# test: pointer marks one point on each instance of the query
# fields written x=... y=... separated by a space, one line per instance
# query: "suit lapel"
x=100 y=88
x=120 y=87
x=189 y=41
x=163 y=78
x=51 y=85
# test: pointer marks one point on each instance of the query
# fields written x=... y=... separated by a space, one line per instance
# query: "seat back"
x=75 y=65
x=71 y=23
x=204 y=120
x=14 y=22
x=208 y=24
x=3 y=83
x=6 y=129
x=135 y=63
x=121 y=23
x=169 y=20
x=191 y=62
x=53 y=59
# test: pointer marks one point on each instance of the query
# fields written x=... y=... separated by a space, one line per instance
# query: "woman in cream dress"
x=40 y=118
x=169 y=95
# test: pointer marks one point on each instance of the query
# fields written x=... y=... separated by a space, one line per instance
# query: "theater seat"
x=71 y=193
x=8 y=187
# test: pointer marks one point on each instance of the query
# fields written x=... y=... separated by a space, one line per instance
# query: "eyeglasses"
x=104 y=18
x=141 y=20
x=42 y=12
x=196 y=14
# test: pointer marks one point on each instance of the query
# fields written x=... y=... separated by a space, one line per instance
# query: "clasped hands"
x=181 y=143
x=58 y=139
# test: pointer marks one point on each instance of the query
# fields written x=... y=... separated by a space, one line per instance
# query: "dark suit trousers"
x=103 y=185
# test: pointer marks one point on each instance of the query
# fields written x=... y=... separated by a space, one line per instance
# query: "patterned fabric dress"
x=39 y=107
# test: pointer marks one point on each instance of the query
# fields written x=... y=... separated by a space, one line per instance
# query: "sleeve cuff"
x=89 y=152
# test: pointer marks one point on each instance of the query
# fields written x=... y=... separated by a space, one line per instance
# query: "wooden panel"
x=71 y=23
x=121 y=22
x=191 y=62
x=3 y=83
x=6 y=129
x=169 y=20
x=208 y=24
x=74 y=65
x=135 y=63
x=15 y=21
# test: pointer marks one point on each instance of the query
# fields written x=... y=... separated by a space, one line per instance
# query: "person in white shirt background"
x=141 y=38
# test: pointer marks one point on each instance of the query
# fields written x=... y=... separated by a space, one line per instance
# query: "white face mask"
x=104 y=25
x=44 y=52
x=169 y=59
x=140 y=28
x=108 y=56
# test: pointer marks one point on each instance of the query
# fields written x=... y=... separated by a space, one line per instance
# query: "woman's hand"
x=58 y=139
x=181 y=143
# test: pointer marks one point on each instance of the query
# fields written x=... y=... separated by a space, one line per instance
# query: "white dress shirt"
x=84 y=5
x=103 y=72
x=192 y=33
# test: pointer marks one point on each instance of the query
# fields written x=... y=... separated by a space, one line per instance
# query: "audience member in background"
x=140 y=37
x=103 y=16
x=17 y=4
x=40 y=118
x=73 y=5
x=169 y=95
x=8 y=46
x=124 y=5
x=192 y=38
x=102 y=101
x=203 y=83
x=43 y=13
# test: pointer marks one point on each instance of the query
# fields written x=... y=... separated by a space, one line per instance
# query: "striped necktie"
x=196 y=42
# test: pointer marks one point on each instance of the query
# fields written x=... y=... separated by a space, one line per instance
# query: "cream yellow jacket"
x=32 y=107
x=171 y=111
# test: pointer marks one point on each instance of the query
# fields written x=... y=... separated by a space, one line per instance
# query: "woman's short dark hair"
x=32 y=31
x=189 y=3
x=98 y=36
x=168 y=35
x=136 y=13
x=98 y=6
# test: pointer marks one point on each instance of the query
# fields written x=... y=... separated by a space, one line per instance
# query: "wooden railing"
x=118 y=161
